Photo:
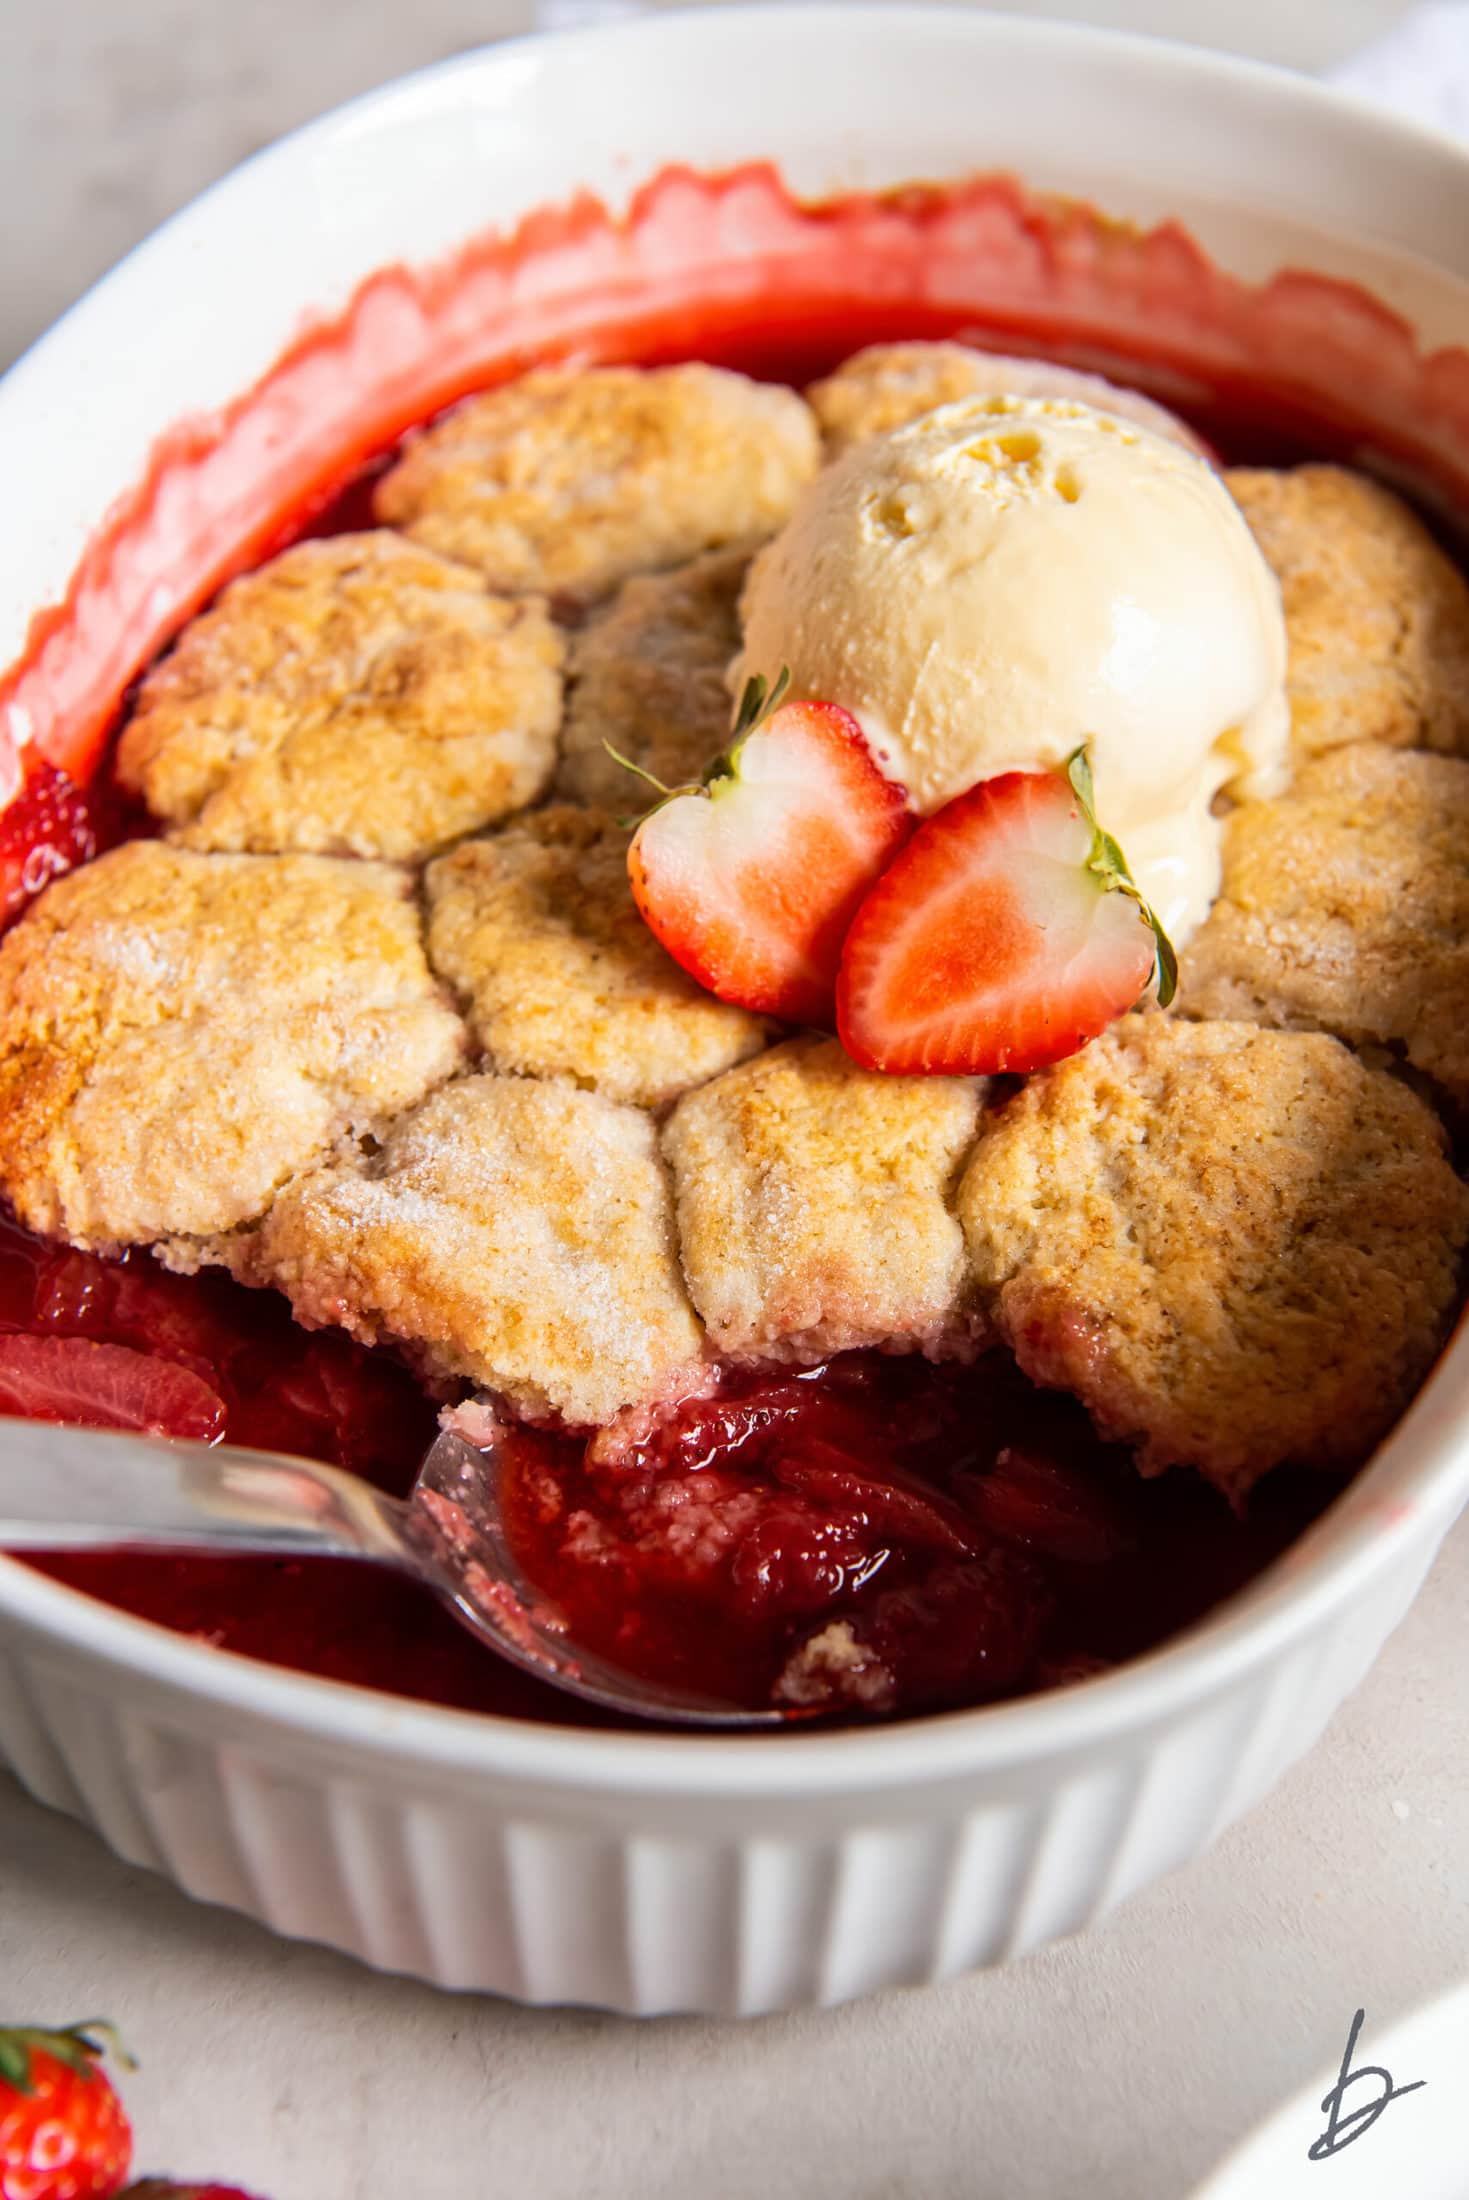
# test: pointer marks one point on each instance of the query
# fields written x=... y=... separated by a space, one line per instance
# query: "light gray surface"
x=1115 y=2068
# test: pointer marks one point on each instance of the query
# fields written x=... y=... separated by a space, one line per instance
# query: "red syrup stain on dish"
x=974 y=1533
x=729 y=267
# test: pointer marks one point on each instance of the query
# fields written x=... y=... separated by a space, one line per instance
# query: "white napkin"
x=1420 y=69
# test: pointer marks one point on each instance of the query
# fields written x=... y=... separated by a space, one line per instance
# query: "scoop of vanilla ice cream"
x=1008 y=577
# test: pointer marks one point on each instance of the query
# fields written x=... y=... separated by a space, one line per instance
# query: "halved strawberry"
x=106 y=1386
x=1005 y=935
x=46 y=830
x=751 y=879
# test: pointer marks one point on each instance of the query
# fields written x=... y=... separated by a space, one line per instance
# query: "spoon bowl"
x=93 y=1489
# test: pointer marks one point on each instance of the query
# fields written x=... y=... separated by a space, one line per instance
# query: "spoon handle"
x=91 y=1489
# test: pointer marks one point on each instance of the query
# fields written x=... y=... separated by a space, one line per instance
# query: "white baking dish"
x=646 y=1872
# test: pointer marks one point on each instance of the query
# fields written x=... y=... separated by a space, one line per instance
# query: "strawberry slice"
x=46 y=830
x=1043 y=1505
x=106 y=1386
x=888 y=1500
x=751 y=879
x=1006 y=934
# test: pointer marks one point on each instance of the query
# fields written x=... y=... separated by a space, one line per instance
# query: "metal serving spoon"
x=88 y=1489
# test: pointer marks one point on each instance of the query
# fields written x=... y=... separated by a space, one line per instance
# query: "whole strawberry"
x=63 y=2134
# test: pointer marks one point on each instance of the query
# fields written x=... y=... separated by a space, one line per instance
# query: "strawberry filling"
x=967 y=1529
x=48 y=828
x=956 y=1534
x=880 y=1534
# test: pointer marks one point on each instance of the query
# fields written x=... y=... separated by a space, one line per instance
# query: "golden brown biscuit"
x=537 y=930
x=514 y=1232
x=887 y=385
x=1345 y=908
x=180 y=1033
x=647 y=675
x=1377 y=616
x=573 y=477
x=1235 y=1246
x=815 y=1206
x=355 y=696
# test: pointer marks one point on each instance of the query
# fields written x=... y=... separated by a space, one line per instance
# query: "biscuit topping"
x=646 y=681
x=815 y=1207
x=887 y=385
x=510 y=1230
x=826 y=1371
x=180 y=1033
x=356 y=696
x=572 y=478
x=1236 y=1246
x=537 y=929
